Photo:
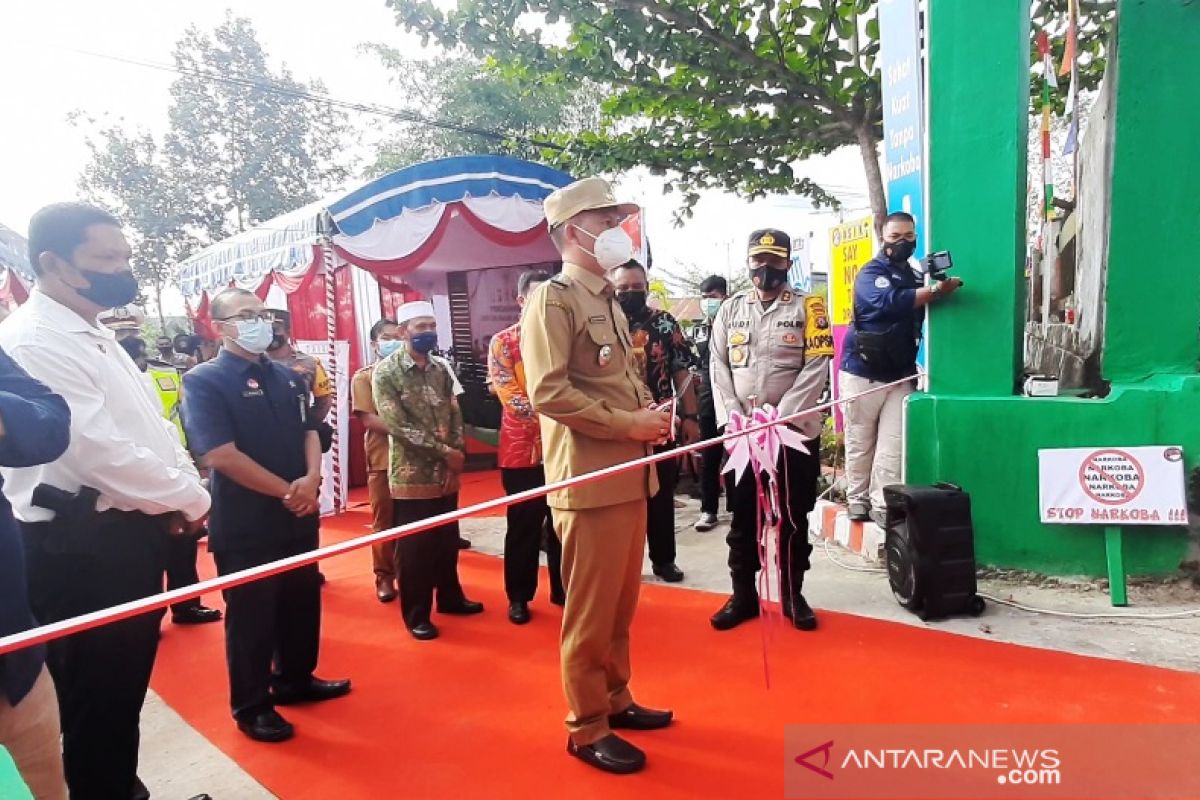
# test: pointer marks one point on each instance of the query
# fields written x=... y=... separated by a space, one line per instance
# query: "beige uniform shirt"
x=581 y=379
x=779 y=355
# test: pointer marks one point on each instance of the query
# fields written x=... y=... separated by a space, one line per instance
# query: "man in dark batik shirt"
x=665 y=359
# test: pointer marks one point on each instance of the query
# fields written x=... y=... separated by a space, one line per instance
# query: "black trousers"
x=529 y=525
x=100 y=675
x=660 y=512
x=710 y=470
x=181 y=567
x=797 y=494
x=274 y=619
x=427 y=561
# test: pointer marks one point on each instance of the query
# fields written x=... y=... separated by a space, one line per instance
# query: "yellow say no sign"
x=850 y=247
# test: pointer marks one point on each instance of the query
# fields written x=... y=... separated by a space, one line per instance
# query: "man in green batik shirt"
x=414 y=395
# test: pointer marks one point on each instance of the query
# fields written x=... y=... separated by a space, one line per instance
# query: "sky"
x=44 y=80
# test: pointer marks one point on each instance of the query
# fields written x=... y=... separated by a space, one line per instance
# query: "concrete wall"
x=1095 y=201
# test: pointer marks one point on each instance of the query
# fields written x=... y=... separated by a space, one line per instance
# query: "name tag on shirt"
x=252 y=389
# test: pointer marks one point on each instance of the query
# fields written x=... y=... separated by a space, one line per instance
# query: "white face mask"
x=254 y=336
x=613 y=247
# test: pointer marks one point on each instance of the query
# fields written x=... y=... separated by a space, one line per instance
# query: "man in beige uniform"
x=771 y=346
x=581 y=379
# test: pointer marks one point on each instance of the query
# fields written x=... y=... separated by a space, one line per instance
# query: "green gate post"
x=972 y=429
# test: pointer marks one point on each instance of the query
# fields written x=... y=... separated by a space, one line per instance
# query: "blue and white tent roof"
x=446 y=180
x=284 y=244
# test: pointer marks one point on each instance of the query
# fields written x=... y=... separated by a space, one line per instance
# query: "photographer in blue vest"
x=880 y=348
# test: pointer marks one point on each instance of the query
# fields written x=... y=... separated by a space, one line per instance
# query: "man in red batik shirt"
x=521 y=469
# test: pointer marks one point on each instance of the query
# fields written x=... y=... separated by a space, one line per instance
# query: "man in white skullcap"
x=414 y=396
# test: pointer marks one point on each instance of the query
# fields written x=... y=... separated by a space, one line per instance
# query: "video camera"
x=938 y=264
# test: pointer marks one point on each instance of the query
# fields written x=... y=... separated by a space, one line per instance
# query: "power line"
x=302 y=94
x=369 y=108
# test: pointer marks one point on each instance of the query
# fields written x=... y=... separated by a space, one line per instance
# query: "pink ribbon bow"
x=761 y=448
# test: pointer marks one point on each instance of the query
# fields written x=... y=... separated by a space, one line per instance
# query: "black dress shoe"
x=558 y=598
x=464 y=543
x=800 y=613
x=140 y=792
x=314 y=691
x=266 y=726
x=462 y=609
x=195 y=615
x=611 y=754
x=669 y=572
x=320 y=577
x=518 y=612
x=737 y=609
x=424 y=631
x=640 y=718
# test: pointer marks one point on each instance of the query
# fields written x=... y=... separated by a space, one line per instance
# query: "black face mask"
x=767 y=278
x=108 y=289
x=899 y=252
x=632 y=303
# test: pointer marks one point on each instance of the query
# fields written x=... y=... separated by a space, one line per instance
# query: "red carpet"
x=478 y=713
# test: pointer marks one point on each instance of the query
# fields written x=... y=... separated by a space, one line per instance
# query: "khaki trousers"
x=30 y=732
x=383 y=555
x=874 y=428
x=602 y=573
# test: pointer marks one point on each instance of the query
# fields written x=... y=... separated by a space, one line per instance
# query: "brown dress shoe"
x=385 y=589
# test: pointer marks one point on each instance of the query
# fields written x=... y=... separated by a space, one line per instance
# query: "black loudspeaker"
x=930 y=547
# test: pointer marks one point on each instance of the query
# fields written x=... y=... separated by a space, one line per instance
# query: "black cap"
x=770 y=241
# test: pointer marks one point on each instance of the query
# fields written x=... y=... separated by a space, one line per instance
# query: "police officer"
x=248 y=418
x=771 y=346
x=881 y=347
x=581 y=378
x=125 y=322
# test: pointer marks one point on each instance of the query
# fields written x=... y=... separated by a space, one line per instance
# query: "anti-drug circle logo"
x=1111 y=477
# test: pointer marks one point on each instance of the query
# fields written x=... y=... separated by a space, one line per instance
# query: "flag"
x=1047 y=60
x=1073 y=115
x=1068 y=61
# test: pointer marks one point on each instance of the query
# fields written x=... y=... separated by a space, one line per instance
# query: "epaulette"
x=560 y=280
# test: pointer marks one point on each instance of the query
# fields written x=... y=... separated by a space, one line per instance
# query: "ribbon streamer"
x=757 y=443
x=92 y=619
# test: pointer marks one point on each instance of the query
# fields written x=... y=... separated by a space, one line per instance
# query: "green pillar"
x=972 y=429
x=978 y=110
x=1153 y=285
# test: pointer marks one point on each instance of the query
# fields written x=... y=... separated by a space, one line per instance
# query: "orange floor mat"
x=478 y=713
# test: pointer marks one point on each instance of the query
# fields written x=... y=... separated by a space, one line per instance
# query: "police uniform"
x=880 y=347
x=183 y=549
x=262 y=408
x=582 y=380
x=775 y=353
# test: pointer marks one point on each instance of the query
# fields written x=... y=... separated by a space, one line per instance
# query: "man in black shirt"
x=248 y=418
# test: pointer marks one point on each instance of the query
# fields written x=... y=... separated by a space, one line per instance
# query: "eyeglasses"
x=249 y=316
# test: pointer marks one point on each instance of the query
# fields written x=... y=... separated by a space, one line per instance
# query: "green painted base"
x=989 y=445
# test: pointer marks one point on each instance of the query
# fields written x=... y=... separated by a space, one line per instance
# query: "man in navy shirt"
x=247 y=417
x=881 y=347
x=35 y=427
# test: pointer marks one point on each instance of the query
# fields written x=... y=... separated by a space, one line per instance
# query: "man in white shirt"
x=114 y=549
